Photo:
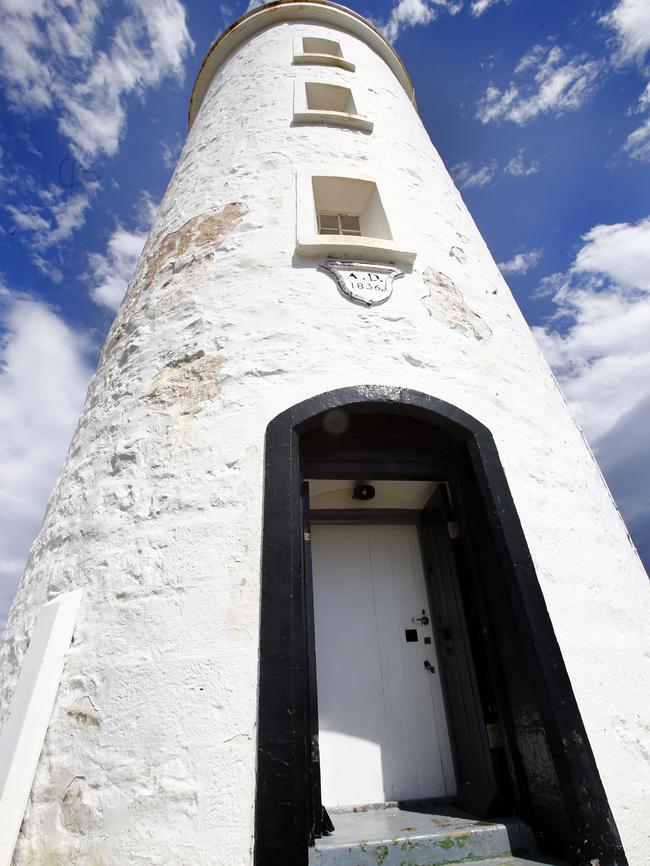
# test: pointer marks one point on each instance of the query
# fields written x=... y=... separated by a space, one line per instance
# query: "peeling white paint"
x=157 y=512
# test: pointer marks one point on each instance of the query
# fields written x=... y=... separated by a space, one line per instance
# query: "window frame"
x=339 y=217
x=309 y=241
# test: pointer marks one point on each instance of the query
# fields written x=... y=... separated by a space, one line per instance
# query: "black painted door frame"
x=475 y=777
x=284 y=814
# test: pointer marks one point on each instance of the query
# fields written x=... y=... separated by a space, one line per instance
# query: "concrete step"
x=398 y=837
x=508 y=861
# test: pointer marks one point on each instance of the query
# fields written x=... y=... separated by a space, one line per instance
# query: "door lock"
x=428 y=666
x=420 y=620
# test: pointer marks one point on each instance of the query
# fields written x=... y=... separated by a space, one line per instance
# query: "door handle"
x=420 y=620
x=428 y=666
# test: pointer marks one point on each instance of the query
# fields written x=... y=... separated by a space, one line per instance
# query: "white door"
x=383 y=732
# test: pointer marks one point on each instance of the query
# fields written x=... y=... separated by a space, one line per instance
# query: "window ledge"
x=353 y=247
x=333 y=118
x=302 y=59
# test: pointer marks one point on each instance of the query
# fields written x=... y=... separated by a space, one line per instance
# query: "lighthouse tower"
x=327 y=536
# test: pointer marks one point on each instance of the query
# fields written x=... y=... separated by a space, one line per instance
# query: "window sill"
x=353 y=248
x=323 y=60
x=333 y=118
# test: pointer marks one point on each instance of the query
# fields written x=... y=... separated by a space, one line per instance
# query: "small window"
x=327 y=104
x=339 y=224
x=312 y=45
x=329 y=97
x=348 y=217
x=320 y=52
x=350 y=207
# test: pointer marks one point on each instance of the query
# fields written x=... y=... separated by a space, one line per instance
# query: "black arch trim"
x=282 y=820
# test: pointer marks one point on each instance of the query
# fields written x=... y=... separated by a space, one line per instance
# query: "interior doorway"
x=517 y=740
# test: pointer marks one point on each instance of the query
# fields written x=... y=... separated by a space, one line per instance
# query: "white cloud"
x=521 y=263
x=227 y=14
x=68 y=213
x=517 y=166
x=621 y=252
x=630 y=19
x=146 y=209
x=170 y=150
x=637 y=143
x=467 y=176
x=549 y=83
x=48 y=268
x=599 y=338
x=411 y=13
x=478 y=7
x=54 y=219
x=28 y=218
x=49 y=58
x=598 y=342
x=44 y=372
x=408 y=13
x=112 y=271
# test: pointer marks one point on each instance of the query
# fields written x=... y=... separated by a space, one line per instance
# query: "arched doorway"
x=516 y=735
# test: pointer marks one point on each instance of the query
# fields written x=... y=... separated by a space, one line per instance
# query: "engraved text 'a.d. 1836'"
x=362 y=282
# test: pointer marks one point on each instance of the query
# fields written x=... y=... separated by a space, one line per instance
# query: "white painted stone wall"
x=150 y=755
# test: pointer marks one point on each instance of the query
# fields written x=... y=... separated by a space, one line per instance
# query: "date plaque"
x=361 y=282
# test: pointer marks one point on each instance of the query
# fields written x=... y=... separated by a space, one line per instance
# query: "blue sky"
x=540 y=110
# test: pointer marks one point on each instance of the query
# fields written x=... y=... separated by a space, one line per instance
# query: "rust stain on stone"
x=186 y=384
x=206 y=229
x=444 y=302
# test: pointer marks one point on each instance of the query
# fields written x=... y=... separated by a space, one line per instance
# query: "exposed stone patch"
x=81 y=806
x=200 y=231
x=445 y=303
x=131 y=349
x=458 y=254
x=55 y=541
x=121 y=461
x=83 y=713
x=185 y=384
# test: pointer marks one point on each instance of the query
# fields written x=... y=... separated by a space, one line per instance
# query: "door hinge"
x=453 y=529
